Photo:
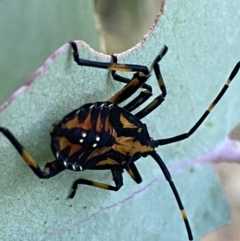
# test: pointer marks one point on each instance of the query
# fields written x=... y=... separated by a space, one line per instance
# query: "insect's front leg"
x=133 y=84
x=159 y=99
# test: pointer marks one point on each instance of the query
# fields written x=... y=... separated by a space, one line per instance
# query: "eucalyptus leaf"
x=194 y=70
x=31 y=30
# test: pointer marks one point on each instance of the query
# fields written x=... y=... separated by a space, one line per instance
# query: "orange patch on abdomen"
x=64 y=143
x=74 y=123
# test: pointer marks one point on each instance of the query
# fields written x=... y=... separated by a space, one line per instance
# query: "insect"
x=102 y=135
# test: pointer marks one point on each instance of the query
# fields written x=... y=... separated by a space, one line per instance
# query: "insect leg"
x=168 y=177
x=107 y=65
x=123 y=79
x=132 y=85
x=205 y=114
x=51 y=169
x=141 y=98
x=133 y=172
x=117 y=178
x=159 y=99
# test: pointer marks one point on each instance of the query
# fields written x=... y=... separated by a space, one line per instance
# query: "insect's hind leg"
x=50 y=170
x=117 y=178
x=159 y=99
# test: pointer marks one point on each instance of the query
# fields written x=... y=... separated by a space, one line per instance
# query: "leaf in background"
x=194 y=70
x=32 y=30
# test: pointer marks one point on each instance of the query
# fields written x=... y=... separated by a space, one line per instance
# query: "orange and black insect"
x=102 y=135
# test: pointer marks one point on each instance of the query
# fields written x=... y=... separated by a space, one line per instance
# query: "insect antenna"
x=168 y=177
x=183 y=136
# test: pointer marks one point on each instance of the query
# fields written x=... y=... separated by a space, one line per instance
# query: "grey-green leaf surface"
x=32 y=30
x=203 y=43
